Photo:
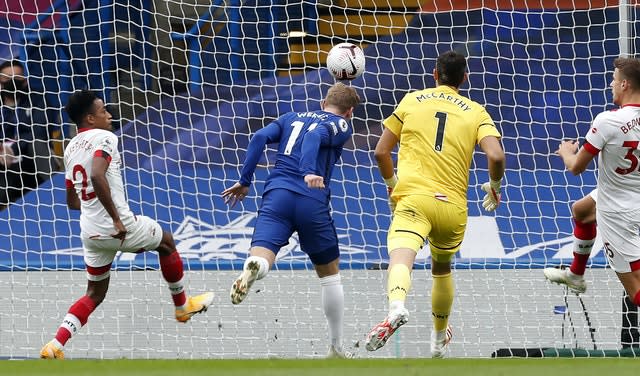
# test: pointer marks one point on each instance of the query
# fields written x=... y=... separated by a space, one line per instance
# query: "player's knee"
x=583 y=211
x=167 y=244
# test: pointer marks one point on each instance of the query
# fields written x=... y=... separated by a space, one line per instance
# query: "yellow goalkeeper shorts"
x=418 y=218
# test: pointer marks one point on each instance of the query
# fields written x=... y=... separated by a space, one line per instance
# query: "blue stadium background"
x=542 y=76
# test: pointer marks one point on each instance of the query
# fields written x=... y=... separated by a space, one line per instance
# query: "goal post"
x=540 y=68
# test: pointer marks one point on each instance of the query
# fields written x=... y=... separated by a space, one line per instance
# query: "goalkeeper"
x=437 y=130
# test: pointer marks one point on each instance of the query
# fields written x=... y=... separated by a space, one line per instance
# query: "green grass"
x=354 y=367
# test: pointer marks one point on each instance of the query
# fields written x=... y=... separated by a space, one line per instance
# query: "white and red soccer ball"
x=345 y=61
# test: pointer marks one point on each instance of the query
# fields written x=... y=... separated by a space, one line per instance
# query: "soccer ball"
x=345 y=61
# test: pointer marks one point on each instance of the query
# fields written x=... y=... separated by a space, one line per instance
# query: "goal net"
x=188 y=82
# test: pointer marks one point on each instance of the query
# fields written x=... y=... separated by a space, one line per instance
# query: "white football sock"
x=263 y=262
x=333 y=306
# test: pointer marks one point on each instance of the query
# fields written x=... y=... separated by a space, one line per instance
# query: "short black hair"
x=451 y=67
x=80 y=104
x=11 y=63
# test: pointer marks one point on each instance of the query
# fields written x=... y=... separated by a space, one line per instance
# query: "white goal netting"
x=188 y=82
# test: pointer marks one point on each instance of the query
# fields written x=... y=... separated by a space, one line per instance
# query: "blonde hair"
x=342 y=97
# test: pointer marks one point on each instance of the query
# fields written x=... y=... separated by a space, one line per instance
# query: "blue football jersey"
x=308 y=143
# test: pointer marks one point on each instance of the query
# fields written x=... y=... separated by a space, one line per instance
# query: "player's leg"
x=621 y=236
x=173 y=273
x=255 y=267
x=584 y=234
x=332 y=295
x=272 y=231
x=631 y=283
x=145 y=233
x=407 y=233
x=319 y=240
x=442 y=294
x=450 y=222
x=96 y=252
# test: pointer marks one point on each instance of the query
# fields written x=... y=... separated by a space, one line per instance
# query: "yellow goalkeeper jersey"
x=438 y=130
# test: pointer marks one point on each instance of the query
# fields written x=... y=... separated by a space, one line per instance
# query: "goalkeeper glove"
x=492 y=199
x=391 y=183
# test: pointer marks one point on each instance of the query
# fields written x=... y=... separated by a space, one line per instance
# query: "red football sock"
x=579 y=264
x=585 y=233
x=80 y=310
x=636 y=299
x=172 y=271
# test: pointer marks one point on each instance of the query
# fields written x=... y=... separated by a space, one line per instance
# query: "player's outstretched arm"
x=491 y=146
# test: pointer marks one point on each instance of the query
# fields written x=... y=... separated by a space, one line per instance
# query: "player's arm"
x=99 y=166
x=237 y=192
x=73 y=202
x=387 y=142
x=267 y=135
x=576 y=163
x=311 y=143
x=492 y=148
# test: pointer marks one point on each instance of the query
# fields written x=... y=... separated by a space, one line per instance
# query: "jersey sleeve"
x=598 y=133
x=341 y=131
x=395 y=121
x=107 y=146
x=269 y=134
x=486 y=126
x=311 y=142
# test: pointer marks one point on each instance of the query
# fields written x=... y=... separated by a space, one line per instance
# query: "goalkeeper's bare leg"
x=256 y=267
x=584 y=234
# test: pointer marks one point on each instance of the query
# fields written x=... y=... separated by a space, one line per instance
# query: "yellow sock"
x=398 y=283
x=441 y=300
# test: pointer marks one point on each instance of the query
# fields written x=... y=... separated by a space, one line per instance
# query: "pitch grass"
x=353 y=367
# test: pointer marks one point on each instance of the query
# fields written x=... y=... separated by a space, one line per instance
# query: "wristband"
x=392 y=181
x=495 y=184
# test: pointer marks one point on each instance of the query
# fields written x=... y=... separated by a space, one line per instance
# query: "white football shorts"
x=143 y=234
x=621 y=238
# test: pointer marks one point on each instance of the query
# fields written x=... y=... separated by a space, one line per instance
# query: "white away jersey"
x=78 y=159
x=615 y=135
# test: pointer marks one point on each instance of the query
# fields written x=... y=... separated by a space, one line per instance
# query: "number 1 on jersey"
x=297 y=128
x=442 y=120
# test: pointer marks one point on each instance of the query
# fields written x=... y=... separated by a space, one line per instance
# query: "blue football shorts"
x=284 y=212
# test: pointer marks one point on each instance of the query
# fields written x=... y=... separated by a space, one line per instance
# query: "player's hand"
x=567 y=148
x=492 y=199
x=121 y=231
x=314 y=181
x=234 y=194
